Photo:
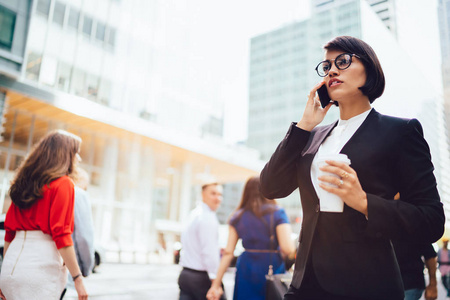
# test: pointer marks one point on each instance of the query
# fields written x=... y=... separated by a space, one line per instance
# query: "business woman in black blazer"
x=348 y=255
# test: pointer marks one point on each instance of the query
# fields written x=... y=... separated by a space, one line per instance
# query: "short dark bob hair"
x=374 y=86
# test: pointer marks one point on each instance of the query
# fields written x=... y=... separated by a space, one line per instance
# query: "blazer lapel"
x=310 y=150
x=317 y=139
x=354 y=140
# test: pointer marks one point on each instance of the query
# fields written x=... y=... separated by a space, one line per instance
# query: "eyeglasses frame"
x=334 y=60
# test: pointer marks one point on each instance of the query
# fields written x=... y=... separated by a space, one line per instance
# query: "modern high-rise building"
x=114 y=72
x=444 y=27
x=282 y=64
x=385 y=10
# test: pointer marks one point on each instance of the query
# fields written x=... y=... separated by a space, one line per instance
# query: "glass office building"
x=100 y=69
x=444 y=27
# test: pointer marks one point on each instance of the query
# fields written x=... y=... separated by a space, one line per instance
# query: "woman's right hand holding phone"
x=314 y=113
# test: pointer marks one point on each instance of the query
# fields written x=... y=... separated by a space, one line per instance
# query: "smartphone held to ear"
x=324 y=97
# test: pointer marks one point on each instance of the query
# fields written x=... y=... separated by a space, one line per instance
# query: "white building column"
x=108 y=186
x=146 y=190
x=185 y=191
x=135 y=200
x=174 y=200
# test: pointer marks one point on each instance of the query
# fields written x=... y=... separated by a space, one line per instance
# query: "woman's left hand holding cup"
x=348 y=187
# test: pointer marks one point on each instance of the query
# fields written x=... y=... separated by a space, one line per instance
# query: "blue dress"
x=251 y=267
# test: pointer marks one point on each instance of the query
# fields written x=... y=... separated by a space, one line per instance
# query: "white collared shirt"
x=200 y=241
x=334 y=143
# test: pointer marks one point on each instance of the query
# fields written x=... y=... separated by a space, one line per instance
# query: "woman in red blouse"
x=39 y=223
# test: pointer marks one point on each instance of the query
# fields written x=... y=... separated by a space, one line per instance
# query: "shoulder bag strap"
x=272 y=242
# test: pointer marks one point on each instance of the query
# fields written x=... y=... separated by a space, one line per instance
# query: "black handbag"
x=276 y=284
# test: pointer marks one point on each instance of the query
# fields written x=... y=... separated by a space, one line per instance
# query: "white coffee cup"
x=330 y=202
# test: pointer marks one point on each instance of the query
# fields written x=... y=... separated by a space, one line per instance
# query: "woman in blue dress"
x=251 y=222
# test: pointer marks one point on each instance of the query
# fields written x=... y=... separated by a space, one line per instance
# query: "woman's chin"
x=336 y=98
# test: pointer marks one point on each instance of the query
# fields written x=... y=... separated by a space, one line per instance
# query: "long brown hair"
x=253 y=200
x=51 y=158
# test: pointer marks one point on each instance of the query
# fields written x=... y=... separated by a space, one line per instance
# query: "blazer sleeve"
x=278 y=178
x=419 y=215
x=428 y=251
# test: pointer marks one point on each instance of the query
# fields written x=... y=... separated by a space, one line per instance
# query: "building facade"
x=98 y=70
x=386 y=11
x=444 y=27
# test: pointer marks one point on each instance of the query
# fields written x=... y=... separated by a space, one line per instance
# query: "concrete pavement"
x=138 y=282
x=116 y=281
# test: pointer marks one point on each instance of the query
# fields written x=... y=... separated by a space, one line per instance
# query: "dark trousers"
x=446 y=283
x=310 y=289
x=194 y=285
x=314 y=294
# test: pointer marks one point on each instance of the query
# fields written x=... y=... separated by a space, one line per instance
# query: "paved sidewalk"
x=116 y=281
x=138 y=282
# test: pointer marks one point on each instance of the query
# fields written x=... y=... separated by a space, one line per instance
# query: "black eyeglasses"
x=342 y=62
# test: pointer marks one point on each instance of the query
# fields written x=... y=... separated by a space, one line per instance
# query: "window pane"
x=74 y=18
x=91 y=87
x=7 y=23
x=112 y=36
x=58 y=13
x=87 y=25
x=43 y=7
x=63 y=80
x=100 y=34
x=104 y=92
x=77 y=83
x=33 y=65
x=49 y=67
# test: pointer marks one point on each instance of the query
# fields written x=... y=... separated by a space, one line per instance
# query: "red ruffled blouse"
x=52 y=214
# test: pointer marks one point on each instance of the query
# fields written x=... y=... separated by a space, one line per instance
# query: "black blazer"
x=353 y=256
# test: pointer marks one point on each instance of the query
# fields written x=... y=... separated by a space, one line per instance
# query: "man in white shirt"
x=200 y=256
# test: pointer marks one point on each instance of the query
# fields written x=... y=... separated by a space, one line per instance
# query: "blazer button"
x=317 y=208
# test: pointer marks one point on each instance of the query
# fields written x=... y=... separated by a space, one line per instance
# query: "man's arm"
x=431 y=264
x=83 y=235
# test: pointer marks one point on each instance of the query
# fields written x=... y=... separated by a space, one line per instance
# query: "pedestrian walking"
x=83 y=231
x=39 y=223
x=255 y=220
x=412 y=258
x=200 y=254
x=345 y=251
x=444 y=265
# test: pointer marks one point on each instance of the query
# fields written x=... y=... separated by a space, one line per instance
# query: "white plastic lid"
x=336 y=157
